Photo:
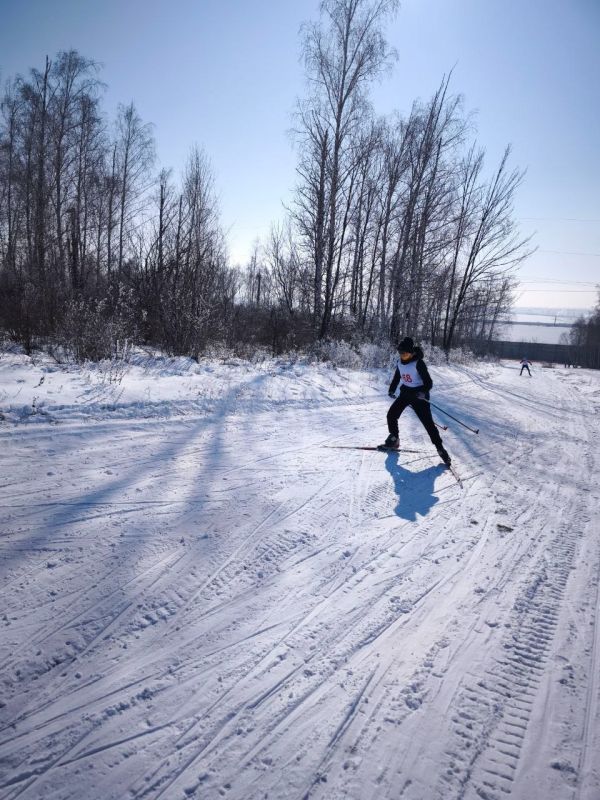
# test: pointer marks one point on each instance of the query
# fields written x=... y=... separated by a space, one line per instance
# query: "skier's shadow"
x=414 y=489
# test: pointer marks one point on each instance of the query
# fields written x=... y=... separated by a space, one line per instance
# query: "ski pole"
x=454 y=418
x=441 y=427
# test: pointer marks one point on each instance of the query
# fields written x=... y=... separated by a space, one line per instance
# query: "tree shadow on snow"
x=414 y=489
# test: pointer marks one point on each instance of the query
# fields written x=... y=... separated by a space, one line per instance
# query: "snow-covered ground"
x=544 y=334
x=202 y=600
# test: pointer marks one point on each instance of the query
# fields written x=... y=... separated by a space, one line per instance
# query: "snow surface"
x=543 y=334
x=201 y=600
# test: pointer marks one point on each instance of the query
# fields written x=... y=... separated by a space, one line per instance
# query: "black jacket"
x=423 y=372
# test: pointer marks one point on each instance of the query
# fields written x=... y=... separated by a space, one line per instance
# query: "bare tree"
x=487 y=241
x=194 y=287
x=392 y=223
x=312 y=196
x=284 y=263
x=134 y=155
x=343 y=55
x=432 y=131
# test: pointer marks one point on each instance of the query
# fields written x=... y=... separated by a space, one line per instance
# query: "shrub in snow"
x=461 y=355
x=340 y=354
x=458 y=355
x=59 y=352
x=373 y=355
x=434 y=355
x=216 y=351
x=94 y=330
x=353 y=355
x=261 y=355
x=112 y=370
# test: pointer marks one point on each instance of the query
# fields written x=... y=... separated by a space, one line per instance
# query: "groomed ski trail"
x=193 y=610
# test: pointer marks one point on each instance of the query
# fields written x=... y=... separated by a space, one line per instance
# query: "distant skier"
x=525 y=365
x=415 y=384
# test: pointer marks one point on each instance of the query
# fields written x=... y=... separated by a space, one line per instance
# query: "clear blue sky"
x=225 y=74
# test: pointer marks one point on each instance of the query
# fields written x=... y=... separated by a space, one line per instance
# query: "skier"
x=411 y=372
x=525 y=365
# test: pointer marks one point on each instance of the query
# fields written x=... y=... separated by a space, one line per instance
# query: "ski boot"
x=391 y=443
x=443 y=454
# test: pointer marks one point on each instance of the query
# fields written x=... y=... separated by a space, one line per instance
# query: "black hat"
x=406 y=345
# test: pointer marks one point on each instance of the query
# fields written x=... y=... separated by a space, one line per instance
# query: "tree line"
x=90 y=241
x=584 y=339
x=395 y=225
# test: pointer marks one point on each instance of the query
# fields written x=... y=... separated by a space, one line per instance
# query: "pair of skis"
x=383 y=449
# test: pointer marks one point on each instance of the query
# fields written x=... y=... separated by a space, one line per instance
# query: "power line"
x=569 y=253
x=558 y=219
x=559 y=282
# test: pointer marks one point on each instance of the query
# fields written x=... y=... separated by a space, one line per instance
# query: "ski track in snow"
x=200 y=600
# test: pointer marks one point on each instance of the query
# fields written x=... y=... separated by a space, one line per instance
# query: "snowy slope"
x=200 y=600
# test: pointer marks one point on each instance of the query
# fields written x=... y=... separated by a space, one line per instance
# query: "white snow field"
x=201 y=600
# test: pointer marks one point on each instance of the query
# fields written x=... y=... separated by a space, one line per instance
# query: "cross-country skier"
x=525 y=365
x=415 y=384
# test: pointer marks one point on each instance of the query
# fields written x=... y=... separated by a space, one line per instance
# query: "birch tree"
x=489 y=243
x=133 y=157
x=343 y=54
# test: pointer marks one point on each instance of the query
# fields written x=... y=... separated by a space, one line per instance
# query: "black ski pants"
x=423 y=411
x=525 y=367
